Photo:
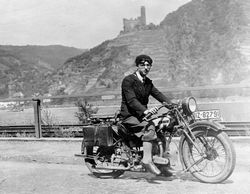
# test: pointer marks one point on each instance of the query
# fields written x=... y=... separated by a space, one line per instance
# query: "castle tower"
x=139 y=23
x=143 y=16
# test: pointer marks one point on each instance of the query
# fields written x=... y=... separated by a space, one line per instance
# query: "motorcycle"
x=109 y=149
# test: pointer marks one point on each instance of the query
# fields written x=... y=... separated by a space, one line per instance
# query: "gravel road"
x=27 y=173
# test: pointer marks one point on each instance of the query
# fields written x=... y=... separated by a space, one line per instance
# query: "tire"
x=220 y=158
x=99 y=173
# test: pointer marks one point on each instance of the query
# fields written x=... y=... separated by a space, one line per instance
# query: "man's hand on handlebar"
x=151 y=111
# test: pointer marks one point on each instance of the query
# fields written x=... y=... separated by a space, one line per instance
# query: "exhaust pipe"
x=112 y=167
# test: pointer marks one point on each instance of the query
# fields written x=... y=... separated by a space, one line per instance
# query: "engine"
x=119 y=156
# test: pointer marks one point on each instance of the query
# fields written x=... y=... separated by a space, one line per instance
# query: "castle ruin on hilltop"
x=139 y=23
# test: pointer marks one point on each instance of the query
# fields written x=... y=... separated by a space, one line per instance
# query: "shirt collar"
x=139 y=76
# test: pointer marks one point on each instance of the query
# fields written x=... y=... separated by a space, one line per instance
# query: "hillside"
x=204 y=42
x=24 y=68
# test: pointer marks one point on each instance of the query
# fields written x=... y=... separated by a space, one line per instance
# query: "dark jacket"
x=135 y=96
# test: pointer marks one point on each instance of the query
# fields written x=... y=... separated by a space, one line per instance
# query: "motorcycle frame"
x=187 y=132
x=186 y=128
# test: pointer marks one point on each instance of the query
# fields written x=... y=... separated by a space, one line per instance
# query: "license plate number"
x=207 y=114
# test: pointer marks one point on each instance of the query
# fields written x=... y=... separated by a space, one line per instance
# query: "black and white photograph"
x=124 y=96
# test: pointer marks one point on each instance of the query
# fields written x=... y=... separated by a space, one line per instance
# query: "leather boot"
x=150 y=167
x=147 y=159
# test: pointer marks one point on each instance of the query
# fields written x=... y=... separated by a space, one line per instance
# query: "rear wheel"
x=91 y=163
x=218 y=161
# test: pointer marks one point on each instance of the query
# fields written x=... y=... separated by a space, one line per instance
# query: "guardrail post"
x=37 y=116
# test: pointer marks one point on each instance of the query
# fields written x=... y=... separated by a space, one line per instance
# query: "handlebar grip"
x=147 y=116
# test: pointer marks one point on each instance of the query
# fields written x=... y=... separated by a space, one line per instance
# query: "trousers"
x=134 y=126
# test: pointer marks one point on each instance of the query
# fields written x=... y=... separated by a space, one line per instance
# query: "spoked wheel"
x=216 y=163
x=91 y=164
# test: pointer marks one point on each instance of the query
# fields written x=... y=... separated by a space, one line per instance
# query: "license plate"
x=208 y=114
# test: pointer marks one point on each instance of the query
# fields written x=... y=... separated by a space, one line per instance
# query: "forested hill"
x=204 y=42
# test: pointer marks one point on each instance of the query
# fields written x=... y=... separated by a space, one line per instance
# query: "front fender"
x=213 y=125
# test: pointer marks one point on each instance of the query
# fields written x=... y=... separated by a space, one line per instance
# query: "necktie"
x=143 y=80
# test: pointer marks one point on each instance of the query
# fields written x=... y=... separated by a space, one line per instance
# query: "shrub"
x=85 y=111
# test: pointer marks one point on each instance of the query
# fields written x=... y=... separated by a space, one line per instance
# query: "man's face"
x=144 y=68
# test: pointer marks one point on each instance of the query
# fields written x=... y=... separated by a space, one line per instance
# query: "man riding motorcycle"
x=136 y=89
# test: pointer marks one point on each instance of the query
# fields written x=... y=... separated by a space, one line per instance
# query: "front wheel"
x=91 y=163
x=218 y=160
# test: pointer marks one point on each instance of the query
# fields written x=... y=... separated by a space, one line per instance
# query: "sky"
x=77 y=23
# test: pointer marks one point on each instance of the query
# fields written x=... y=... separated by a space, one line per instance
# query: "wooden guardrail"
x=46 y=130
x=232 y=129
x=115 y=95
x=237 y=128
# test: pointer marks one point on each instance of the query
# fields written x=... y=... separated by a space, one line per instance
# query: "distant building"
x=139 y=23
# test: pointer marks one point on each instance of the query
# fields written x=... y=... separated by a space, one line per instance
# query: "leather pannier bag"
x=98 y=135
